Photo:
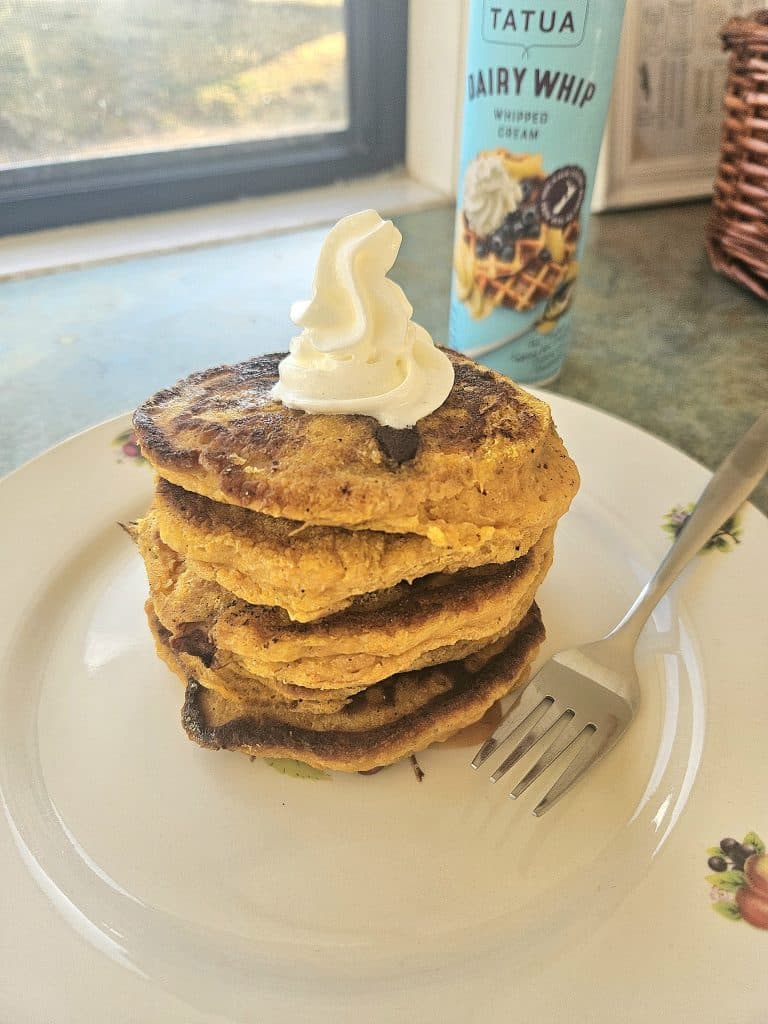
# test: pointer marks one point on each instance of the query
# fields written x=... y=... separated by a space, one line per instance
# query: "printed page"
x=681 y=70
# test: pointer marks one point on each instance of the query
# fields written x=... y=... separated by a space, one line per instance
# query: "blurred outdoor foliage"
x=95 y=77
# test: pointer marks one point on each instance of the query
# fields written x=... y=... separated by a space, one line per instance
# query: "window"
x=116 y=107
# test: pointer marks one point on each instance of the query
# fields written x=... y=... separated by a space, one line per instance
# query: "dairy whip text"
x=537 y=82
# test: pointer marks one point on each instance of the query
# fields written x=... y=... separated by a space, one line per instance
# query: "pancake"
x=437 y=618
x=481 y=463
x=386 y=723
x=235 y=685
x=314 y=571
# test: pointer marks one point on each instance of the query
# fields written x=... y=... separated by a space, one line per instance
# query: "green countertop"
x=660 y=339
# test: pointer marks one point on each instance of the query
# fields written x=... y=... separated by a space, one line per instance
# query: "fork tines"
x=541 y=717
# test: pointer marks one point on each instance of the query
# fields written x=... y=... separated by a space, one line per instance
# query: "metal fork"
x=584 y=698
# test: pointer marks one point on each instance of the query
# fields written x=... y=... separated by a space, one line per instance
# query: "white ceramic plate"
x=146 y=879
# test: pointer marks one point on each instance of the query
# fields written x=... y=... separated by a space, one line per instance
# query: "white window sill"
x=65 y=248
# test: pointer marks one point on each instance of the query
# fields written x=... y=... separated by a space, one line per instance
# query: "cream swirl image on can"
x=520 y=253
x=490 y=193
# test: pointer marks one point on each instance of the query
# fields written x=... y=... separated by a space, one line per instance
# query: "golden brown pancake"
x=196 y=657
x=488 y=460
x=389 y=721
x=312 y=571
x=437 y=618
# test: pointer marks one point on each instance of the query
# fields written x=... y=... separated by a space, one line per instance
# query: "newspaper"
x=681 y=69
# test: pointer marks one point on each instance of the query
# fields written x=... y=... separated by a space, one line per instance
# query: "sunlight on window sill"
x=48 y=251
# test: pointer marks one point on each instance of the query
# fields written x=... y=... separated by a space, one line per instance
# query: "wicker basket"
x=737 y=233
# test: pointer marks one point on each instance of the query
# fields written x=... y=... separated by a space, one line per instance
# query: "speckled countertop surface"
x=660 y=339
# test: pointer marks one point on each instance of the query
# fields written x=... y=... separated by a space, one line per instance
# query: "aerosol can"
x=537 y=87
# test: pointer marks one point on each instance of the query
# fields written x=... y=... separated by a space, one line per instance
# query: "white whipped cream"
x=490 y=193
x=359 y=351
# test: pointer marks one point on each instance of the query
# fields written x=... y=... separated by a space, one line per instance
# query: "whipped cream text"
x=359 y=351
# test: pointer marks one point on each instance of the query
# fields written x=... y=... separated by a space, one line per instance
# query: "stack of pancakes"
x=339 y=592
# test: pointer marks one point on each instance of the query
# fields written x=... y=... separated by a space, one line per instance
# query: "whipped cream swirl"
x=490 y=193
x=359 y=351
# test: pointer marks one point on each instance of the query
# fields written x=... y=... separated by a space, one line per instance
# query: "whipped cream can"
x=536 y=90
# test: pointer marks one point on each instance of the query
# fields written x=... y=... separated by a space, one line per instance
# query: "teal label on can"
x=537 y=87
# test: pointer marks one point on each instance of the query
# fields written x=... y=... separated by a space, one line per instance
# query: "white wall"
x=436 y=54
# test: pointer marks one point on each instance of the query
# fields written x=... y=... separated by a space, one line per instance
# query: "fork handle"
x=733 y=482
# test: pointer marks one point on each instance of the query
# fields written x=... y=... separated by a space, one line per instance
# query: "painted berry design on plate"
x=129 y=448
x=724 y=539
x=739 y=882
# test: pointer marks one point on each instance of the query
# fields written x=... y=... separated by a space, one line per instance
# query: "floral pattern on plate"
x=129 y=447
x=724 y=539
x=739 y=879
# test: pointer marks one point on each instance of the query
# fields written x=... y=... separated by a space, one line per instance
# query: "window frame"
x=40 y=196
